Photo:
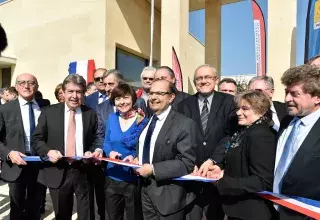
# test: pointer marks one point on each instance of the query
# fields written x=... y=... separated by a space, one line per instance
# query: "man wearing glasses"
x=214 y=114
x=99 y=96
x=265 y=84
x=147 y=77
x=18 y=120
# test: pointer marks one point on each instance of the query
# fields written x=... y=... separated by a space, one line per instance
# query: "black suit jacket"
x=302 y=177
x=248 y=168
x=180 y=96
x=221 y=124
x=49 y=135
x=174 y=156
x=12 y=137
x=103 y=110
x=281 y=109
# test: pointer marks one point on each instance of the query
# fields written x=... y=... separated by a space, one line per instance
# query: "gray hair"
x=75 y=79
x=116 y=73
x=204 y=65
x=148 y=69
x=267 y=80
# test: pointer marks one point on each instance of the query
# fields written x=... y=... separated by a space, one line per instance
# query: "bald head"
x=26 y=85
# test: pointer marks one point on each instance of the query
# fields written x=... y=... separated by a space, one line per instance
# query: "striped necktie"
x=204 y=115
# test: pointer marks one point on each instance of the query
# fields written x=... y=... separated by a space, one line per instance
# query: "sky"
x=302 y=6
x=238 y=54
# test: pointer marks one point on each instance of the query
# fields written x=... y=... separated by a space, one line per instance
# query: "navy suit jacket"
x=92 y=100
x=103 y=110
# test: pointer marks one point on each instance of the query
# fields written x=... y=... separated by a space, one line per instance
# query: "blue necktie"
x=286 y=157
x=146 y=146
x=104 y=97
x=31 y=123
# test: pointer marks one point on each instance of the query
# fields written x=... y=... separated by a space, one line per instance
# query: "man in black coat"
x=17 y=122
x=214 y=114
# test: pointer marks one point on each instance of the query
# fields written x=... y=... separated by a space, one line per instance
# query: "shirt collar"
x=23 y=102
x=67 y=109
x=209 y=98
x=101 y=95
x=272 y=108
x=311 y=118
x=164 y=113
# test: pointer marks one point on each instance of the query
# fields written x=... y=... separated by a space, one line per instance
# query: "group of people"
x=245 y=141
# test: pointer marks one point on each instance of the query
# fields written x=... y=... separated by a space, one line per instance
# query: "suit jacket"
x=103 y=110
x=180 y=96
x=222 y=123
x=92 y=100
x=248 y=168
x=12 y=137
x=49 y=135
x=281 y=109
x=174 y=156
x=301 y=178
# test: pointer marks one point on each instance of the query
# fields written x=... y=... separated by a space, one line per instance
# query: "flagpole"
x=151 y=32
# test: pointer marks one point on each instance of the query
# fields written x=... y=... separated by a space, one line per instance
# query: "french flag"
x=85 y=68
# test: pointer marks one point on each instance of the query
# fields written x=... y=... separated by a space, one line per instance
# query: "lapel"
x=195 y=111
x=163 y=132
x=85 y=123
x=60 y=121
x=17 y=112
x=306 y=147
x=215 y=105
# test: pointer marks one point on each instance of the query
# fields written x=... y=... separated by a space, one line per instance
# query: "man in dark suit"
x=99 y=96
x=166 y=73
x=67 y=129
x=166 y=150
x=297 y=160
x=265 y=84
x=214 y=114
x=17 y=122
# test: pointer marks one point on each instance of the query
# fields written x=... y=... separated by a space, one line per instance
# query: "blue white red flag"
x=312 y=42
x=85 y=68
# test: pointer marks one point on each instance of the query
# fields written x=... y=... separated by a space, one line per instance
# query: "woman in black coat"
x=249 y=161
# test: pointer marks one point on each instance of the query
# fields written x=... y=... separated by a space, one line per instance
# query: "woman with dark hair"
x=122 y=132
x=249 y=161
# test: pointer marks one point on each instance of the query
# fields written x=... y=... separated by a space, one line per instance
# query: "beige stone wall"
x=46 y=35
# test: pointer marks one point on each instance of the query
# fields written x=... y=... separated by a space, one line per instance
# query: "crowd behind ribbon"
x=245 y=141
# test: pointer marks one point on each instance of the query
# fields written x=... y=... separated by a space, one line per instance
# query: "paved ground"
x=5 y=206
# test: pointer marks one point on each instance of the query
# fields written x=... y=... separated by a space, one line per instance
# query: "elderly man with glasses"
x=147 y=77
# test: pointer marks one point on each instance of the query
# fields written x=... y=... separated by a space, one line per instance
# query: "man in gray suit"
x=166 y=149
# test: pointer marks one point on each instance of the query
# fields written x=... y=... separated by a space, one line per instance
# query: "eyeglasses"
x=206 y=78
x=24 y=83
x=159 y=93
x=148 y=78
x=98 y=79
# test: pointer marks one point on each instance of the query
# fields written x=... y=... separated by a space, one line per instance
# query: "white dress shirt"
x=100 y=97
x=275 y=118
x=307 y=123
x=161 y=119
x=79 y=130
x=24 y=108
x=201 y=102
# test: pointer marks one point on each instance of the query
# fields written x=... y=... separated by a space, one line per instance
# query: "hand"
x=114 y=154
x=54 y=155
x=205 y=167
x=145 y=170
x=195 y=170
x=16 y=158
x=215 y=172
x=128 y=158
x=97 y=154
x=136 y=160
x=88 y=154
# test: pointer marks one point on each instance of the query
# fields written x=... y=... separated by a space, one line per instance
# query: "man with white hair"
x=147 y=77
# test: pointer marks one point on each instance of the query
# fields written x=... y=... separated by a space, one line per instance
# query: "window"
x=4 y=1
x=130 y=66
x=6 y=76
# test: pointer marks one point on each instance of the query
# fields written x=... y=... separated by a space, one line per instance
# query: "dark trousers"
x=122 y=197
x=96 y=177
x=150 y=212
x=25 y=195
x=75 y=182
x=207 y=203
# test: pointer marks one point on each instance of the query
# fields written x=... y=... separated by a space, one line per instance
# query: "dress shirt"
x=161 y=119
x=24 y=108
x=145 y=96
x=3 y=101
x=275 y=118
x=100 y=99
x=79 y=130
x=307 y=123
x=201 y=101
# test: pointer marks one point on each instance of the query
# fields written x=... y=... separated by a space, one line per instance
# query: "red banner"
x=177 y=70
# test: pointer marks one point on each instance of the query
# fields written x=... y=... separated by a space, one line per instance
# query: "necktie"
x=104 y=97
x=32 y=124
x=286 y=156
x=204 y=115
x=71 y=135
x=146 y=146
